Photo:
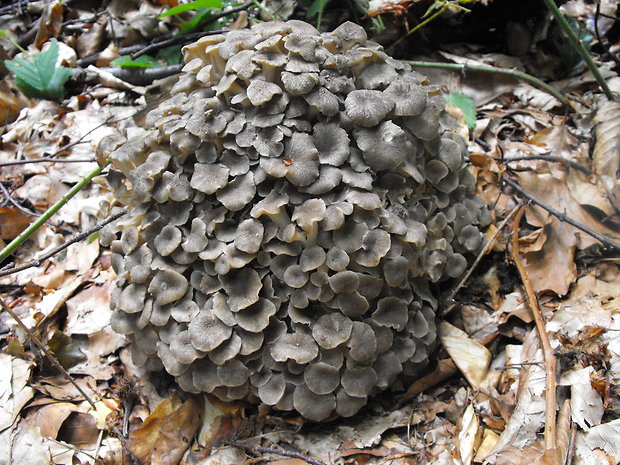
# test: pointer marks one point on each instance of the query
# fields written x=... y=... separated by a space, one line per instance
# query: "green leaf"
x=40 y=78
x=171 y=55
x=144 y=62
x=317 y=7
x=197 y=4
x=201 y=15
x=467 y=106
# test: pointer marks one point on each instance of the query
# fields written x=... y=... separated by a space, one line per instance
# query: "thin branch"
x=47 y=353
x=24 y=235
x=561 y=216
x=550 y=360
x=77 y=238
x=7 y=195
x=550 y=158
x=271 y=450
x=47 y=160
x=540 y=84
x=187 y=38
x=448 y=302
x=578 y=44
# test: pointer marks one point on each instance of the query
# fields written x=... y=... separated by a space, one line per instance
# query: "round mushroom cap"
x=288 y=208
x=367 y=108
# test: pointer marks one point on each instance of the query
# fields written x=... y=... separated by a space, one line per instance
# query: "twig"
x=271 y=450
x=559 y=17
x=125 y=443
x=77 y=238
x=551 y=158
x=550 y=360
x=492 y=69
x=445 y=369
x=7 y=195
x=137 y=76
x=448 y=302
x=187 y=38
x=561 y=216
x=47 y=353
x=47 y=160
x=24 y=235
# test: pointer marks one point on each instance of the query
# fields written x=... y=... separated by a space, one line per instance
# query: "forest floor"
x=540 y=309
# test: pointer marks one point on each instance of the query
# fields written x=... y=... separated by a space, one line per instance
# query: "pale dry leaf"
x=468 y=437
x=605 y=159
x=586 y=404
x=528 y=415
x=49 y=418
x=88 y=311
x=471 y=357
x=81 y=256
x=14 y=389
x=489 y=440
x=52 y=302
x=167 y=432
x=606 y=156
x=605 y=437
x=613 y=345
x=24 y=445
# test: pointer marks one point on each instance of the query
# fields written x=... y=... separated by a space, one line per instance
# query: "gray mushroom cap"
x=384 y=146
x=168 y=286
x=294 y=346
x=367 y=108
x=313 y=406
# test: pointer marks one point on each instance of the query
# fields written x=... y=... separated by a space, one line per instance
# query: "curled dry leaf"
x=167 y=432
x=471 y=357
x=605 y=159
x=469 y=435
x=586 y=403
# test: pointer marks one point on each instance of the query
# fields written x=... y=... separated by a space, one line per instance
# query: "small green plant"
x=40 y=78
x=466 y=105
x=143 y=62
x=203 y=9
x=316 y=9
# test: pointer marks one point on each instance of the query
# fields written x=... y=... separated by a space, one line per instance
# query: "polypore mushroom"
x=288 y=208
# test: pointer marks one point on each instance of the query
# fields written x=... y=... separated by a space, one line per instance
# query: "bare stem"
x=540 y=84
x=550 y=360
x=19 y=240
x=561 y=216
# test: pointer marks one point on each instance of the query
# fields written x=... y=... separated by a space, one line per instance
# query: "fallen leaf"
x=14 y=389
x=49 y=418
x=79 y=429
x=471 y=357
x=166 y=434
x=605 y=437
x=468 y=437
x=89 y=310
x=13 y=222
x=24 y=445
x=586 y=404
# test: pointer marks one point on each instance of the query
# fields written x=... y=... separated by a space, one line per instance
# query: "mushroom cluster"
x=293 y=206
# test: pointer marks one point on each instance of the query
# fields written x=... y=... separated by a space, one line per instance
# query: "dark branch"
x=271 y=450
x=551 y=158
x=561 y=216
x=77 y=238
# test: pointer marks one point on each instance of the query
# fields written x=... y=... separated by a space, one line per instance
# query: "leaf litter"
x=485 y=401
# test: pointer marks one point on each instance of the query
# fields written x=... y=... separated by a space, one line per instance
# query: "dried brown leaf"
x=50 y=417
x=166 y=434
x=12 y=222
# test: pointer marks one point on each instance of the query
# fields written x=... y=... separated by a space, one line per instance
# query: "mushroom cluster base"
x=291 y=209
